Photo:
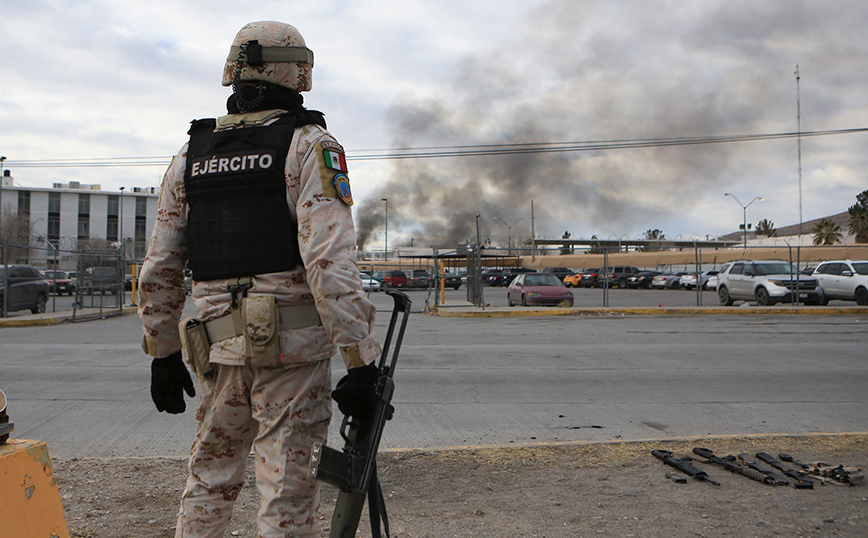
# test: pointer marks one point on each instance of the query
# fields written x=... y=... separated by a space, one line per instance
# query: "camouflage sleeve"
x=161 y=282
x=327 y=242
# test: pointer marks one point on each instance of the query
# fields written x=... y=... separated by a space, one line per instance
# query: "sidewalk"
x=461 y=311
x=55 y=318
x=456 y=311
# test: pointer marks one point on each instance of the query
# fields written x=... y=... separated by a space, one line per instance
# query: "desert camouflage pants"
x=280 y=412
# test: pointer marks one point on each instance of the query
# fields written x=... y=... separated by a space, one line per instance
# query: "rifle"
x=748 y=460
x=683 y=465
x=801 y=482
x=354 y=470
x=734 y=467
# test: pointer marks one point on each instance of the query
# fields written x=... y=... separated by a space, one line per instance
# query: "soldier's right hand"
x=356 y=392
x=169 y=380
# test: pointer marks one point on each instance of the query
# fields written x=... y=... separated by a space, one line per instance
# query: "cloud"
x=630 y=70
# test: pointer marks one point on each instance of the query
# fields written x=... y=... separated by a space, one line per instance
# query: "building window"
x=111 y=232
x=54 y=216
x=84 y=216
x=24 y=203
x=141 y=238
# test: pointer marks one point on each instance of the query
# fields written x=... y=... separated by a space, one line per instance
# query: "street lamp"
x=744 y=211
x=121 y=218
x=386 y=243
x=509 y=231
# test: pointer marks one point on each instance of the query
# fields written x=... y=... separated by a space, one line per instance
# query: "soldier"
x=257 y=204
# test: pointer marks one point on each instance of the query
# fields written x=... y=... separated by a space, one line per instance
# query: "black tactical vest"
x=239 y=224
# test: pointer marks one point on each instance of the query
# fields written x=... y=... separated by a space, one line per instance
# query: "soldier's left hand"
x=169 y=380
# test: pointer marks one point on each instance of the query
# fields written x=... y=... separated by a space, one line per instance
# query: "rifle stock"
x=353 y=470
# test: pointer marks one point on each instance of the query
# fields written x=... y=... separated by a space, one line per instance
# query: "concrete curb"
x=473 y=312
x=682 y=439
x=50 y=318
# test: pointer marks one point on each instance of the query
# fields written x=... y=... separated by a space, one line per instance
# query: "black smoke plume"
x=580 y=71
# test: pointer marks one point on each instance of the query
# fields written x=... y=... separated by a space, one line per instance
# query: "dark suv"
x=617 y=275
x=559 y=272
x=27 y=289
x=504 y=278
x=99 y=280
x=419 y=278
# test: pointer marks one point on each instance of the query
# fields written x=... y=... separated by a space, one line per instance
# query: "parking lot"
x=83 y=387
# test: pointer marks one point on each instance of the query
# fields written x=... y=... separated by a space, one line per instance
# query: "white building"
x=67 y=216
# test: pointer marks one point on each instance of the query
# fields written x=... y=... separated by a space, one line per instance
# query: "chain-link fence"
x=685 y=277
x=57 y=275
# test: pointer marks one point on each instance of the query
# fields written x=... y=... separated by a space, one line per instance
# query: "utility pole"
x=532 y=233
x=386 y=244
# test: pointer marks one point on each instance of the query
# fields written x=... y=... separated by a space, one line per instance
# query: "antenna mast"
x=799 y=138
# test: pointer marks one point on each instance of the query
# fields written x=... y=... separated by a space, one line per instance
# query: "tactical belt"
x=291 y=317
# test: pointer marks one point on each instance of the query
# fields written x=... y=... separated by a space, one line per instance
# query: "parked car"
x=28 y=289
x=617 y=275
x=377 y=275
x=667 y=281
x=846 y=280
x=711 y=283
x=488 y=277
x=368 y=283
x=188 y=281
x=59 y=282
x=419 y=278
x=101 y=280
x=451 y=280
x=767 y=282
x=642 y=279
x=508 y=274
x=574 y=280
x=560 y=272
x=590 y=278
x=688 y=281
x=538 y=289
x=395 y=279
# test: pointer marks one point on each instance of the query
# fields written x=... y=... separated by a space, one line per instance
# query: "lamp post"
x=744 y=212
x=509 y=232
x=386 y=242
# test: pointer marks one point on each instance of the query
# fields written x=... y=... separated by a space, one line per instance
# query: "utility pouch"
x=197 y=347
x=261 y=332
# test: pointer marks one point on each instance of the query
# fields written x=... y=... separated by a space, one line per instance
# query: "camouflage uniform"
x=282 y=411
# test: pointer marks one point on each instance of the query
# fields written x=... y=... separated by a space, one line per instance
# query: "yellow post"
x=135 y=281
x=29 y=496
x=442 y=285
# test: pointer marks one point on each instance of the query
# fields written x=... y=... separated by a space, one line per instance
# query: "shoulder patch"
x=333 y=170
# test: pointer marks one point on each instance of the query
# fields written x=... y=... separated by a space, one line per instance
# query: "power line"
x=482 y=150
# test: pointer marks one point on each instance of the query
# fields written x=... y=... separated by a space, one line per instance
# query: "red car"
x=538 y=289
x=395 y=279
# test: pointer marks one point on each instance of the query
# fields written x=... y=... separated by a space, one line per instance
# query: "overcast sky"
x=107 y=79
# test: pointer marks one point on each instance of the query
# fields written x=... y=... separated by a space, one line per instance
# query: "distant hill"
x=841 y=219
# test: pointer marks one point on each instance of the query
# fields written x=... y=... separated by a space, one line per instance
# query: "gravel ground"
x=571 y=490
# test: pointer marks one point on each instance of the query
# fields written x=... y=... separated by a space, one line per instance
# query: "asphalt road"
x=83 y=388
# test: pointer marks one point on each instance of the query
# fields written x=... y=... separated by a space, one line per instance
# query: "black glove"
x=356 y=393
x=169 y=380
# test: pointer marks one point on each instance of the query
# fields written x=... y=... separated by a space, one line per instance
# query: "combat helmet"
x=269 y=51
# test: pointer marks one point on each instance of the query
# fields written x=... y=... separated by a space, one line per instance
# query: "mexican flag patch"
x=335 y=160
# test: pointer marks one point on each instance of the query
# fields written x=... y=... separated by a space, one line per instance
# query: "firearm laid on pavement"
x=353 y=470
x=734 y=467
x=801 y=482
x=683 y=464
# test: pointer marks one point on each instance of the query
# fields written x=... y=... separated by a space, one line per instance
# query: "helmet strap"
x=245 y=104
